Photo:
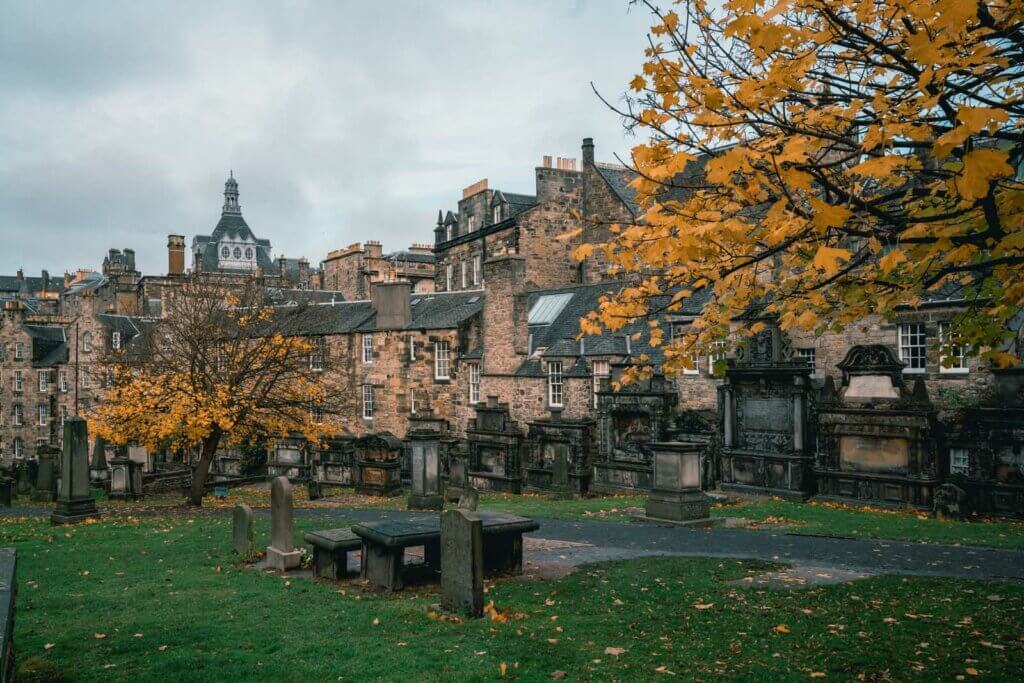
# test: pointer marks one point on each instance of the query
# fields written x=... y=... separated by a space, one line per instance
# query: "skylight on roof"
x=547 y=308
x=414 y=302
x=474 y=299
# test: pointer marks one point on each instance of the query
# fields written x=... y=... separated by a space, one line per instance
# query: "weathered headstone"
x=315 y=489
x=469 y=500
x=462 y=562
x=560 y=473
x=241 y=533
x=8 y=594
x=456 y=477
x=24 y=480
x=99 y=470
x=45 y=488
x=949 y=502
x=281 y=554
x=74 y=499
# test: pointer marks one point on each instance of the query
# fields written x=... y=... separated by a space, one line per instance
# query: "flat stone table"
x=330 y=551
x=384 y=544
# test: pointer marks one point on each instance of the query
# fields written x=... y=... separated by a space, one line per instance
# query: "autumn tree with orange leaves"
x=824 y=160
x=218 y=368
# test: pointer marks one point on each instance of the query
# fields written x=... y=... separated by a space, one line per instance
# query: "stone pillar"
x=74 y=499
x=727 y=419
x=281 y=554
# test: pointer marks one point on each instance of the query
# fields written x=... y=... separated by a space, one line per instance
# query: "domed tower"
x=231 y=204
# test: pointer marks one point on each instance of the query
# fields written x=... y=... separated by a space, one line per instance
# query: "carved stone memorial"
x=378 y=458
x=74 y=499
x=495 y=445
x=559 y=439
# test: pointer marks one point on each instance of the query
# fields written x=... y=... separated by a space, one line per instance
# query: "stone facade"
x=355 y=268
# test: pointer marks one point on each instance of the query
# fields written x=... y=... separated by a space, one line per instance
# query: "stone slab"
x=705 y=523
x=283 y=561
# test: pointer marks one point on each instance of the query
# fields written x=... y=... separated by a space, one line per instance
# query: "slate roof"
x=49 y=345
x=280 y=296
x=29 y=285
x=411 y=257
x=619 y=177
x=436 y=311
x=91 y=281
x=558 y=339
x=518 y=203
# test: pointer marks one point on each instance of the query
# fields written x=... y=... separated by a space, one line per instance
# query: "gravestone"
x=99 y=470
x=6 y=491
x=24 y=480
x=950 y=502
x=281 y=554
x=8 y=595
x=241 y=536
x=462 y=562
x=74 y=499
x=314 y=489
x=456 y=477
x=46 y=477
x=560 y=486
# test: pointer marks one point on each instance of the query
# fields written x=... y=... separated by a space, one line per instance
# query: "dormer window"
x=115 y=340
x=496 y=213
x=470 y=223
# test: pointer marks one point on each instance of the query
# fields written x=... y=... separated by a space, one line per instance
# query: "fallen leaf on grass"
x=162 y=648
x=782 y=628
x=558 y=675
x=553 y=641
x=817 y=674
x=503 y=668
x=664 y=670
x=99 y=636
x=617 y=602
x=614 y=650
x=48 y=646
x=701 y=605
x=376 y=621
x=971 y=671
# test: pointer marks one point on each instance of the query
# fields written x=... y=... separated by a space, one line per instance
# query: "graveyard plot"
x=166 y=598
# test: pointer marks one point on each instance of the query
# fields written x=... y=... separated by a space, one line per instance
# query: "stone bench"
x=384 y=544
x=330 y=551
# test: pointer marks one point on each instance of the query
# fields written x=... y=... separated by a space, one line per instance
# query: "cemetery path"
x=586 y=541
x=603 y=541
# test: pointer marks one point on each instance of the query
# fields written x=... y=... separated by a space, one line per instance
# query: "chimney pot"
x=588 y=151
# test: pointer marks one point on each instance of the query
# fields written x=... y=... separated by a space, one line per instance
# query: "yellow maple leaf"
x=981 y=167
x=827 y=259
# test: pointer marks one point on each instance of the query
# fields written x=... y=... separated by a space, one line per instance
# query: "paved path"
x=612 y=541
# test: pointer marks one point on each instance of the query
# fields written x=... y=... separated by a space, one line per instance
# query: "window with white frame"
x=412 y=347
x=19 y=380
x=63 y=410
x=18 y=414
x=476 y=270
x=412 y=401
x=448 y=271
x=85 y=378
x=957 y=357
x=368 y=402
x=600 y=370
x=19 y=351
x=694 y=368
x=87 y=342
x=43 y=414
x=809 y=356
x=555 y=384
x=716 y=357
x=19 y=447
x=465 y=270
x=44 y=378
x=474 y=383
x=912 y=346
x=367 y=348
x=442 y=362
x=115 y=340
x=317 y=354
x=496 y=213
x=959 y=461
x=62 y=381
x=470 y=223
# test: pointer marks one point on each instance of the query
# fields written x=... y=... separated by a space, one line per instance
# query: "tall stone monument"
x=462 y=562
x=74 y=500
x=281 y=554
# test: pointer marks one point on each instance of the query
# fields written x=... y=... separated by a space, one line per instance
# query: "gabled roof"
x=619 y=177
x=49 y=345
x=438 y=310
x=232 y=226
x=31 y=285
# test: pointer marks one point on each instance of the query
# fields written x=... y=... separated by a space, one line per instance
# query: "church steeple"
x=231 y=195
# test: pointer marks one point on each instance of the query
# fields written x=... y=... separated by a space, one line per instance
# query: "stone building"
x=355 y=268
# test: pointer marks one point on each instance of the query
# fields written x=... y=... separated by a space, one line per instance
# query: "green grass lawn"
x=831 y=519
x=163 y=598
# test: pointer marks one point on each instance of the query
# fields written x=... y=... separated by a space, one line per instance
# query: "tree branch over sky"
x=827 y=160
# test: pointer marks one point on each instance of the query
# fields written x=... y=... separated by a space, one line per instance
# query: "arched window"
x=248 y=253
x=225 y=252
x=238 y=252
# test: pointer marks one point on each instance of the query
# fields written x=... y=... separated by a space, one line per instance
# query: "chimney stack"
x=506 y=336
x=175 y=254
x=588 y=151
x=391 y=302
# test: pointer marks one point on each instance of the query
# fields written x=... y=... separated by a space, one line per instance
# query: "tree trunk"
x=199 y=474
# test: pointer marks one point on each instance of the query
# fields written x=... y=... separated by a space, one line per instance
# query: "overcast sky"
x=343 y=120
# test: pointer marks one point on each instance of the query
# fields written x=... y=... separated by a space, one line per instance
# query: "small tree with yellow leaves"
x=220 y=368
x=825 y=160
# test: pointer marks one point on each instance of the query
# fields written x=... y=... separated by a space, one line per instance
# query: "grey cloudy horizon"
x=343 y=121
